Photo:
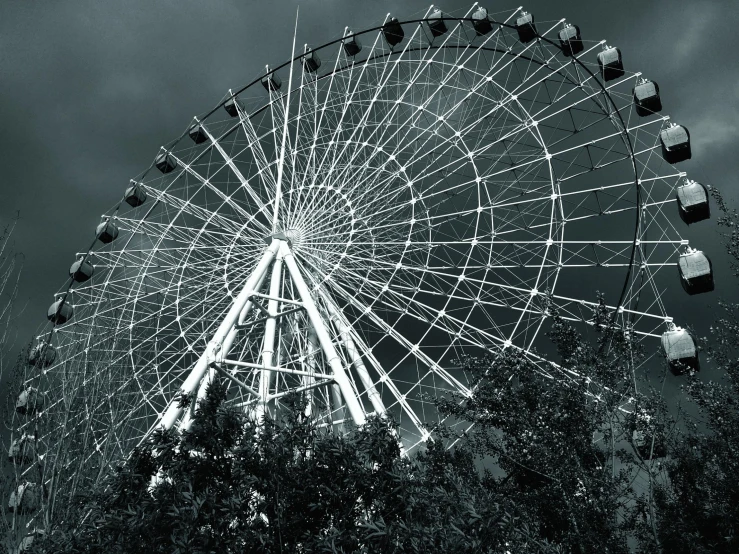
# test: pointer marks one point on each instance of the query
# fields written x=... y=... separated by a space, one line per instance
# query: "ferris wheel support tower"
x=275 y=255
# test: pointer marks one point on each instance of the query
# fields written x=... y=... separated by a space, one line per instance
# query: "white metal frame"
x=342 y=144
x=216 y=354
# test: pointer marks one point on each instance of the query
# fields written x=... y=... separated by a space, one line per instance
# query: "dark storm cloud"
x=89 y=90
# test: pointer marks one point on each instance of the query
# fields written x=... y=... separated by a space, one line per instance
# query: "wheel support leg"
x=324 y=339
x=344 y=328
x=216 y=344
x=270 y=333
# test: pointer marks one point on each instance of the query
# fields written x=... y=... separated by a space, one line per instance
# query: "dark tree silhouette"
x=286 y=486
x=698 y=505
x=540 y=433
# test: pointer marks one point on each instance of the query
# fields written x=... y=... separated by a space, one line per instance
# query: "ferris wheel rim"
x=623 y=131
x=498 y=50
x=495 y=49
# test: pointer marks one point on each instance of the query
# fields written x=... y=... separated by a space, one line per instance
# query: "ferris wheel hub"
x=277 y=236
x=294 y=238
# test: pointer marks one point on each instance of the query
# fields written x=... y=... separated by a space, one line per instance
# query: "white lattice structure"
x=353 y=233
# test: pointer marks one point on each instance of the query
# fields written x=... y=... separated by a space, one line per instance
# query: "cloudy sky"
x=89 y=90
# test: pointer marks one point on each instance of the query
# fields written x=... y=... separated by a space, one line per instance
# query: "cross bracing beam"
x=193 y=380
x=328 y=333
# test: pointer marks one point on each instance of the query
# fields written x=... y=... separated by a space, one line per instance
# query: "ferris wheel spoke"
x=313 y=106
x=484 y=283
x=316 y=171
x=324 y=110
x=297 y=165
x=546 y=114
x=386 y=382
x=386 y=328
x=325 y=128
x=375 y=98
x=442 y=81
x=502 y=104
x=346 y=102
x=260 y=206
x=656 y=304
x=204 y=237
x=157 y=275
x=194 y=293
x=183 y=206
x=361 y=176
x=489 y=338
x=617 y=194
x=537 y=312
x=481 y=151
x=226 y=199
x=254 y=144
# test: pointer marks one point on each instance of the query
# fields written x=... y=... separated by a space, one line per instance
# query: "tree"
x=11 y=266
x=287 y=486
x=548 y=466
x=540 y=432
x=698 y=505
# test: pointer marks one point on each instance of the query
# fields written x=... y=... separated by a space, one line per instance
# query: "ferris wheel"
x=352 y=222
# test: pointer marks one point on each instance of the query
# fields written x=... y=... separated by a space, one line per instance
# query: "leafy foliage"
x=285 y=486
x=698 y=505
x=539 y=431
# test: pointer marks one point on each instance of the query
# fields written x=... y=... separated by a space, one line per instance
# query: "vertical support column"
x=227 y=345
x=192 y=382
x=332 y=357
x=344 y=329
x=270 y=333
x=308 y=380
x=337 y=407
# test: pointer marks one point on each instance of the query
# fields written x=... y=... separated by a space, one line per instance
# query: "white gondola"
x=610 y=63
x=60 y=312
x=42 y=355
x=311 y=60
x=135 y=194
x=646 y=98
x=648 y=446
x=165 y=162
x=20 y=452
x=271 y=81
x=197 y=134
x=351 y=44
x=25 y=499
x=106 y=232
x=81 y=270
x=436 y=23
x=693 y=202
x=675 y=141
x=570 y=40
x=29 y=402
x=680 y=350
x=526 y=28
x=393 y=32
x=696 y=272
x=232 y=106
x=480 y=21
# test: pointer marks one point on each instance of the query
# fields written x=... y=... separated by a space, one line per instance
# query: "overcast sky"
x=89 y=90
